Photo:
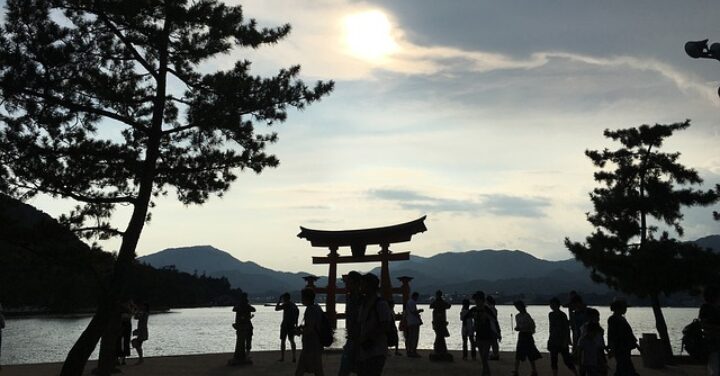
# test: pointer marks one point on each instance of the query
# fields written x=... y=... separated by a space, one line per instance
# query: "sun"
x=368 y=35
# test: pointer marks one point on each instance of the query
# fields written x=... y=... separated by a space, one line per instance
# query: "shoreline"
x=266 y=363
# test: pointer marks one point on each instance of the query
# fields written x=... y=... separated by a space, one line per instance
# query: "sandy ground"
x=265 y=363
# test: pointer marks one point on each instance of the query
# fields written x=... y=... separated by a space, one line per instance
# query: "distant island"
x=47 y=269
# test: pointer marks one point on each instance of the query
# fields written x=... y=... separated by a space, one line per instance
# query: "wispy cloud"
x=495 y=204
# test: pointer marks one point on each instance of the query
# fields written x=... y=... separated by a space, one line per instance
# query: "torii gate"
x=358 y=240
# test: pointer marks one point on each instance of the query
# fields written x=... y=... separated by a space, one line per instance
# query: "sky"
x=474 y=113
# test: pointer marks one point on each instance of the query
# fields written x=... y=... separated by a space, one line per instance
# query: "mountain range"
x=505 y=272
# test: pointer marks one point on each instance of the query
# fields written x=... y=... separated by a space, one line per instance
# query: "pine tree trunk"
x=82 y=349
x=109 y=327
x=661 y=327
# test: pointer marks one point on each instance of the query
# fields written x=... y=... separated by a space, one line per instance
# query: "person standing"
x=621 y=340
x=412 y=326
x=440 y=324
x=467 y=330
x=288 y=325
x=375 y=323
x=578 y=318
x=495 y=344
x=310 y=360
x=526 y=349
x=559 y=338
x=243 y=314
x=483 y=320
x=352 y=323
x=123 y=341
x=710 y=321
x=141 y=333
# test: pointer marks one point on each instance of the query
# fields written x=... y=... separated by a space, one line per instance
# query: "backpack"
x=327 y=333
x=693 y=340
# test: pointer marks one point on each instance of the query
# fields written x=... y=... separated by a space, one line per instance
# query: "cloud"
x=495 y=204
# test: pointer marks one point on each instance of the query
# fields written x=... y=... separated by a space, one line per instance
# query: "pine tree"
x=108 y=102
x=643 y=190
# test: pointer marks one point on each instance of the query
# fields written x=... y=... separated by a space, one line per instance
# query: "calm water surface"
x=209 y=330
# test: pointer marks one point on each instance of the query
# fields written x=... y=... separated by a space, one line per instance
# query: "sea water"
x=209 y=330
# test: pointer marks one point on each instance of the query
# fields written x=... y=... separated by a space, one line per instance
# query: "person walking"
x=484 y=334
x=621 y=340
x=591 y=349
x=376 y=322
x=353 y=281
x=495 y=343
x=526 y=349
x=710 y=321
x=559 y=338
x=141 y=333
x=467 y=330
x=288 y=325
x=412 y=325
x=310 y=360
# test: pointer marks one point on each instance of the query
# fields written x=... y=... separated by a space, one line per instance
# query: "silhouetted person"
x=440 y=327
x=571 y=316
x=710 y=320
x=467 y=330
x=243 y=314
x=141 y=332
x=376 y=321
x=578 y=318
x=391 y=304
x=288 y=326
x=494 y=345
x=621 y=340
x=352 y=323
x=2 y=326
x=559 y=338
x=123 y=342
x=591 y=348
x=526 y=349
x=412 y=326
x=310 y=360
x=592 y=315
x=483 y=319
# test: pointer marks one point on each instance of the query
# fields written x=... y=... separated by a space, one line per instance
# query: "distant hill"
x=505 y=272
x=501 y=271
x=45 y=268
x=247 y=275
x=712 y=242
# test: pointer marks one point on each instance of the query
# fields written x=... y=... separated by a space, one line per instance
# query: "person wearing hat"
x=621 y=340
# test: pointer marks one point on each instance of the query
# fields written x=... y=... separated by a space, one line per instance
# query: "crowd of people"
x=577 y=338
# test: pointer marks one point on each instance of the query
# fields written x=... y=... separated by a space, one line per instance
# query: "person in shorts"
x=288 y=326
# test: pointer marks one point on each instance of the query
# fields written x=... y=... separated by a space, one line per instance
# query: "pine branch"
x=85 y=108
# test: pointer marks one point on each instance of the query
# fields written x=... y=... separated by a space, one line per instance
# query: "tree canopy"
x=637 y=206
x=86 y=89
x=114 y=102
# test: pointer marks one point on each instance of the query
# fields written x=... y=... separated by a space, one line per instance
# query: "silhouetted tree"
x=105 y=103
x=641 y=189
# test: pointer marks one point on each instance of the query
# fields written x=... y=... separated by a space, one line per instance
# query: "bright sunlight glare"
x=368 y=35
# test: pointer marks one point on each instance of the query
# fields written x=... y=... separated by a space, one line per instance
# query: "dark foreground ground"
x=265 y=363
